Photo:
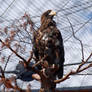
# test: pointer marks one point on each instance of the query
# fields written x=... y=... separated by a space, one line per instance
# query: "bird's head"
x=48 y=15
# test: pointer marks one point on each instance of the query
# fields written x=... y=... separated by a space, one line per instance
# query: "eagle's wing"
x=49 y=43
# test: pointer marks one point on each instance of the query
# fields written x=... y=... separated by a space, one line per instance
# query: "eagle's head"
x=47 y=16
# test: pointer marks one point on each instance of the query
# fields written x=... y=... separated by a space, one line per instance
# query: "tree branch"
x=12 y=50
x=75 y=72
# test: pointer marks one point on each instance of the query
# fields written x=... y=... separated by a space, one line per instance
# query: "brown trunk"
x=47 y=84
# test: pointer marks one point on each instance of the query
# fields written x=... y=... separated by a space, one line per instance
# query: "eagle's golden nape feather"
x=48 y=42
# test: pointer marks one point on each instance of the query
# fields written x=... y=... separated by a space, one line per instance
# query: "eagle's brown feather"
x=48 y=42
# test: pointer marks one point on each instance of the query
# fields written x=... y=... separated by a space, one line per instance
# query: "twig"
x=72 y=73
x=79 y=29
x=82 y=51
x=75 y=72
x=2 y=72
x=84 y=62
x=7 y=61
x=64 y=78
x=39 y=62
x=30 y=57
x=89 y=57
x=13 y=51
x=76 y=38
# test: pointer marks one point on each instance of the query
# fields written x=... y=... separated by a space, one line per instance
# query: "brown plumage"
x=48 y=42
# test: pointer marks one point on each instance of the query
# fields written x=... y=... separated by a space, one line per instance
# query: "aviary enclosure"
x=31 y=49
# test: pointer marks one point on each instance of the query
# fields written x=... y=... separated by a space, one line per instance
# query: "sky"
x=78 y=12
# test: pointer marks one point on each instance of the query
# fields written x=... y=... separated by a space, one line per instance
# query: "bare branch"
x=64 y=78
x=13 y=51
x=7 y=61
x=30 y=57
x=39 y=62
x=72 y=73
x=89 y=57
x=82 y=51
x=77 y=39
x=75 y=72
x=2 y=72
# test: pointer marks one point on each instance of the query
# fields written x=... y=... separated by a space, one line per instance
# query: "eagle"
x=48 y=43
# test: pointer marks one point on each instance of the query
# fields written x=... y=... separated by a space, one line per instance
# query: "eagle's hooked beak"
x=52 y=13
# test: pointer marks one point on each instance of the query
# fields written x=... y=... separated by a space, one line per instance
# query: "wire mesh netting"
x=80 y=15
